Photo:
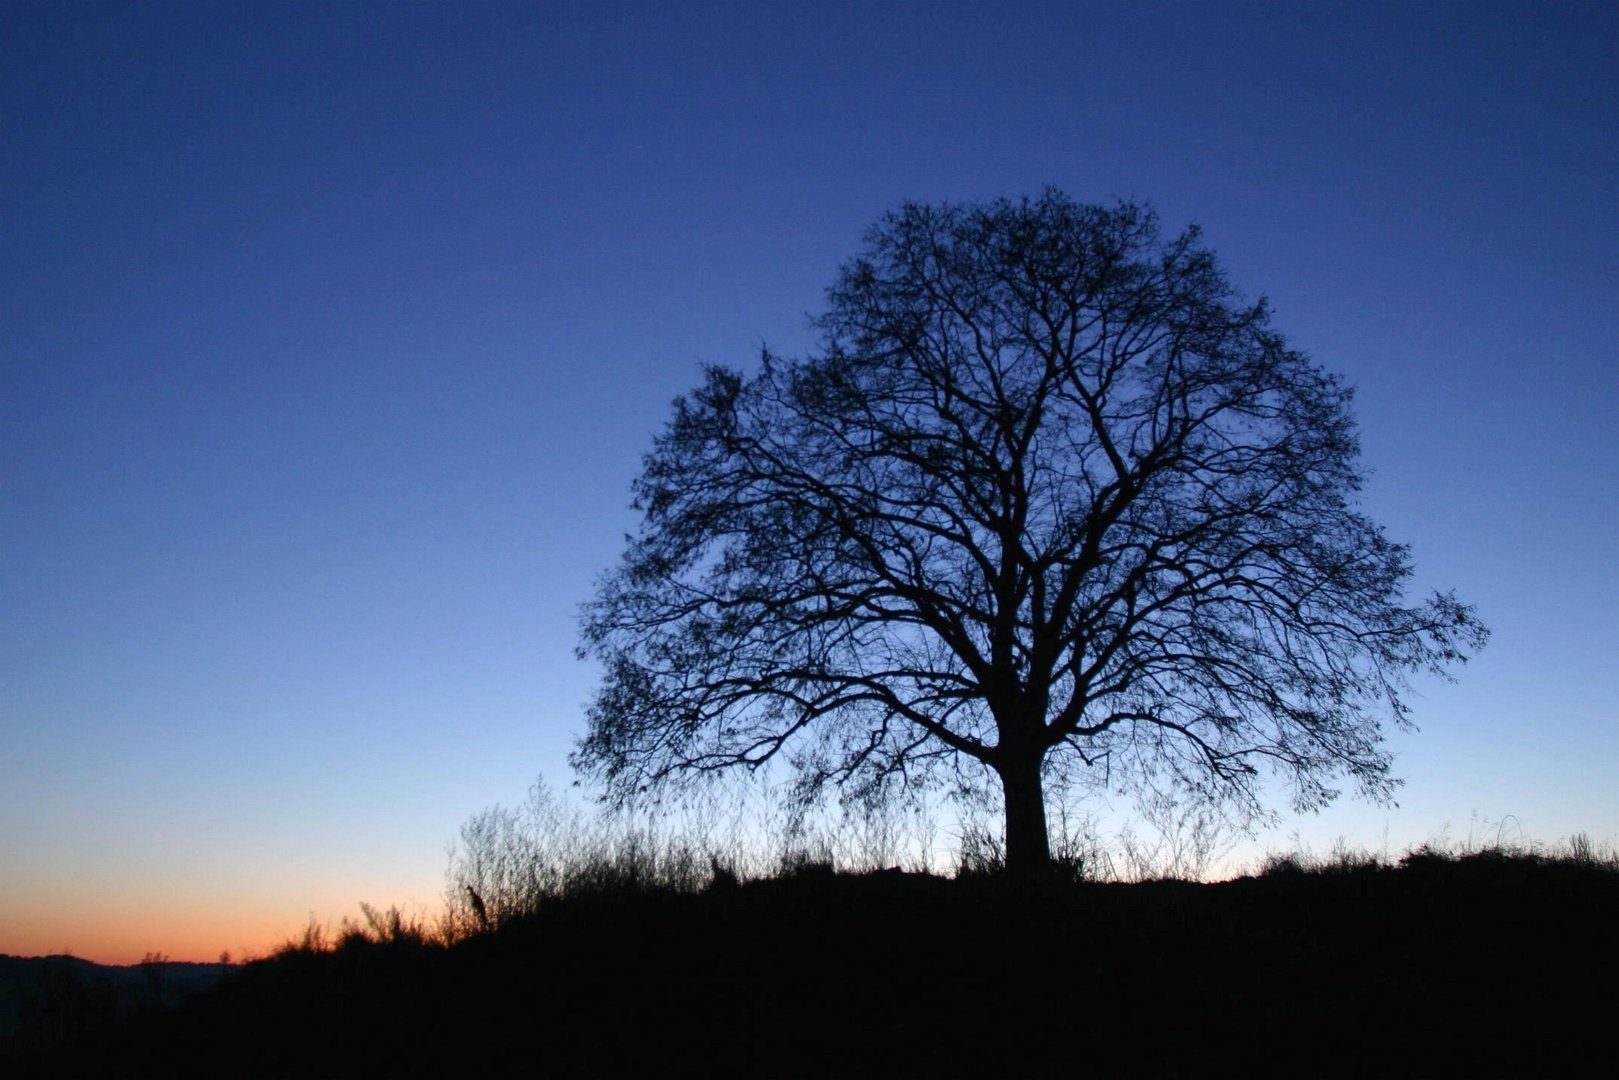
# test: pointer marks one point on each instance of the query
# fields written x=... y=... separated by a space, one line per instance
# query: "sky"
x=331 y=337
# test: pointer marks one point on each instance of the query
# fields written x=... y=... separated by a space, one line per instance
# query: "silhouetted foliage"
x=1483 y=962
x=1052 y=496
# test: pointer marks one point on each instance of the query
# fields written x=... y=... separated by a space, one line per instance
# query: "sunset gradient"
x=331 y=337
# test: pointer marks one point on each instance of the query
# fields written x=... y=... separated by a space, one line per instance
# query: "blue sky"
x=331 y=336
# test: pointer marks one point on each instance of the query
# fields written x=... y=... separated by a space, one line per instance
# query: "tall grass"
x=1578 y=851
x=511 y=863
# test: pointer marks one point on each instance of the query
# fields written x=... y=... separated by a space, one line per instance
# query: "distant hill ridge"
x=32 y=985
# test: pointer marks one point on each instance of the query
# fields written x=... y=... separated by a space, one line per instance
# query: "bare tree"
x=1051 y=496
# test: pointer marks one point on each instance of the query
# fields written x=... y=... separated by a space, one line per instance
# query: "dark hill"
x=1483 y=965
x=56 y=999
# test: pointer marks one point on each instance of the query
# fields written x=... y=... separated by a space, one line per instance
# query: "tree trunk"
x=1028 y=848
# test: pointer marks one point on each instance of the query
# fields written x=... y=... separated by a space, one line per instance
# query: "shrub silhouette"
x=1331 y=966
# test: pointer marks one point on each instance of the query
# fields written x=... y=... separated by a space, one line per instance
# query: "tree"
x=1052 y=496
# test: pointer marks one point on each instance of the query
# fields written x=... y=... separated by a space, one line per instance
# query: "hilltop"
x=1482 y=961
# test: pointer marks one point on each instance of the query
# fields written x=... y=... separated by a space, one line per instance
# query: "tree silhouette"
x=1052 y=496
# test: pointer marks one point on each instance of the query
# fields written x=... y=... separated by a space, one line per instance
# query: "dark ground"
x=1484 y=965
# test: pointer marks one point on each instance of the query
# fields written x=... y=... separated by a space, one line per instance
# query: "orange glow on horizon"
x=104 y=935
x=195 y=939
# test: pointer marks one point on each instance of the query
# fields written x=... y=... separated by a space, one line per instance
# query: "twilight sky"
x=331 y=336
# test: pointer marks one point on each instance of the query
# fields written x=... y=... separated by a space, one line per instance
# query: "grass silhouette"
x=1493 y=959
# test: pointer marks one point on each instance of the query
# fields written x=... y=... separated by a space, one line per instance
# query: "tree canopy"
x=1051 y=495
